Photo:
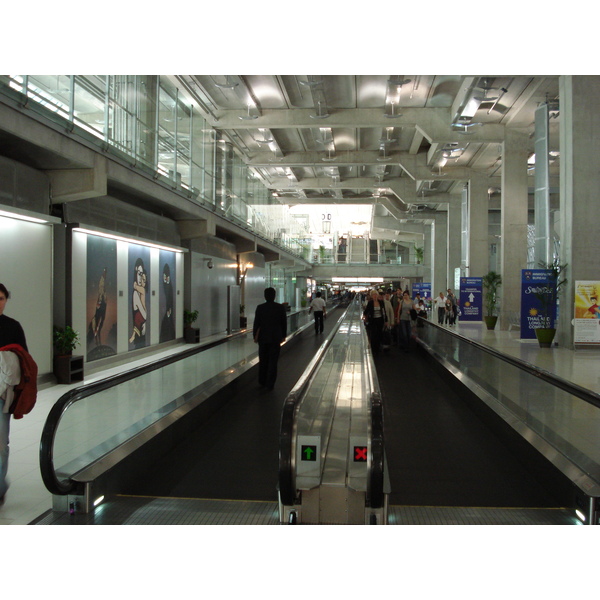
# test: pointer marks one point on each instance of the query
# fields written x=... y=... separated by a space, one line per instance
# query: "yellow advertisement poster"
x=587 y=312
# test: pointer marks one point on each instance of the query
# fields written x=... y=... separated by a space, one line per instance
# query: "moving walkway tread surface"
x=234 y=455
x=439 y=452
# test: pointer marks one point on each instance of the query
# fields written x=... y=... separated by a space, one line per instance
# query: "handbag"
x=413 y=314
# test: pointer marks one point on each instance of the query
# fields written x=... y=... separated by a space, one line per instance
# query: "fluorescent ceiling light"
x=23 y=216
x=120 y=238
x=357 y=279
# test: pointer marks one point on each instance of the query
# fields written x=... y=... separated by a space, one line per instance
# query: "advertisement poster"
x=423 y=289
x=166 y=296
x=101 y=298
x=587 y=313
x=470 y=299
x=139 y=297
x=536 y=282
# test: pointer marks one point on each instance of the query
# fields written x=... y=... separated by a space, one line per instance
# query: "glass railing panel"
x=562 y=418
x=95 y=425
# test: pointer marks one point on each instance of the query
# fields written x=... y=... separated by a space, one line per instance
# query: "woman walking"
x=375 y=319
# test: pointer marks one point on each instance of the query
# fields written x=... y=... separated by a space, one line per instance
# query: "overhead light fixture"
x=24 y=215
x=228 y=85
x=357 y=279
x=319 y=115
x=470 y=108
x=465 y=128
x=310 y=83
x=392 y=115
x=112 y=236
x=248 y=116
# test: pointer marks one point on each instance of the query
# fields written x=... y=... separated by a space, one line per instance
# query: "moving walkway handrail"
x=375 y=485
x=288 y=419
x=567 y=386
x=51 y=481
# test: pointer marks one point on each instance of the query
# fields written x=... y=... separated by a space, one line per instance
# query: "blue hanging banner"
x=470 y=299
x=421 y=288
x=535 y=283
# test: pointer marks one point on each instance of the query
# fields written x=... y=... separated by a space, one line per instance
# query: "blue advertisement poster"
x=421 y=288
x=471 y=298
x=535 y=281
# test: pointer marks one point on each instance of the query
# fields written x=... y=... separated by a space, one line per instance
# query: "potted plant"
x=548 y=299
x=191 y=334
x=491 y=282
x=303 y=299
x=419 y=253
x=67 y=368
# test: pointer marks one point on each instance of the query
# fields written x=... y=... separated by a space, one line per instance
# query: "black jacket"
x=11 y=332
x=270 y=323
x=370 y=308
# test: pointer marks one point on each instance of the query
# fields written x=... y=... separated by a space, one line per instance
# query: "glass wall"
x=145 y=118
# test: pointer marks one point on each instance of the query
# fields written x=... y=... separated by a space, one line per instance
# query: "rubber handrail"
x=46 y=457
x=287 y=490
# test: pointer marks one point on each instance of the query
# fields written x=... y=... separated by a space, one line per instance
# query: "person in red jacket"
x=11 y=332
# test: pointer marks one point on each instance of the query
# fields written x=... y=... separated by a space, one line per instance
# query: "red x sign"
x=360 y=454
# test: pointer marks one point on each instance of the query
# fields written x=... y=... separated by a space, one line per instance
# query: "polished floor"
x=27 y=498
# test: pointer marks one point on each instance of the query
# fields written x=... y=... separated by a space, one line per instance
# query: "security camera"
x=209 y=264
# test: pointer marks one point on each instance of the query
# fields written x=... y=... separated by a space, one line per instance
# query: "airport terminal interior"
x=145 y=215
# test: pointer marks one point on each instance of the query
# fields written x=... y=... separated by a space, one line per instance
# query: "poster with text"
x=166 y=295
x=536 y=283
x=101 y=298
x=139 y=296
x=587 y=313
x=470 y=298
x=421 y=288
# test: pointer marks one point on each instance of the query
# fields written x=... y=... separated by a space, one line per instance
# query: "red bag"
x=26 y=389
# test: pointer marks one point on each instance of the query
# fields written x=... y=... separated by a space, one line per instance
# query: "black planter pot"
x=490 y=322
x=545 y=336
x=191 y=335
x=68 y=368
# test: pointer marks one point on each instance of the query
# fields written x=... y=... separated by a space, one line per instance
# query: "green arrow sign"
x=309 y=453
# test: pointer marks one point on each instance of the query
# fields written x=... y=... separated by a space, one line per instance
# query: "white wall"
x=26 y=271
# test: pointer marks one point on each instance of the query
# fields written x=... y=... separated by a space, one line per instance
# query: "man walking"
x=317 y=306
x=269 y=332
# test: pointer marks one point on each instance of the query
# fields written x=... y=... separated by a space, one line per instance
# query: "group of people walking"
x=390 y=318
x=447 y=308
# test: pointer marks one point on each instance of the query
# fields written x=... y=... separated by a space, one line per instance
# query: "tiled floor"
x=28 y=498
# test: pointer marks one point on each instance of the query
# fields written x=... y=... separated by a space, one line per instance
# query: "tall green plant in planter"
x=491 y=282
x=545 y=335
x=419 y=254
x=190 y=334
x=67 y=368
x=65 y=340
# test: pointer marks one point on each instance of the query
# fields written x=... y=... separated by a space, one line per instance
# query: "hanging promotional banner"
x=537 y=308
x=470 y=299
x=423 y=289
x=587 y=313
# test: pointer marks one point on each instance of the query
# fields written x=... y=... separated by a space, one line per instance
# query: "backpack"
x=26 y=389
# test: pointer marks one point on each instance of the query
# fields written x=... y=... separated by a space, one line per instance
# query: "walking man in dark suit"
x=269 y=331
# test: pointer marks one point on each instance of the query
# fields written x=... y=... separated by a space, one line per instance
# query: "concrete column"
x=579 y=168
x=454 y=242
x=513 y=222
x=439 y=233
x=478 y=227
